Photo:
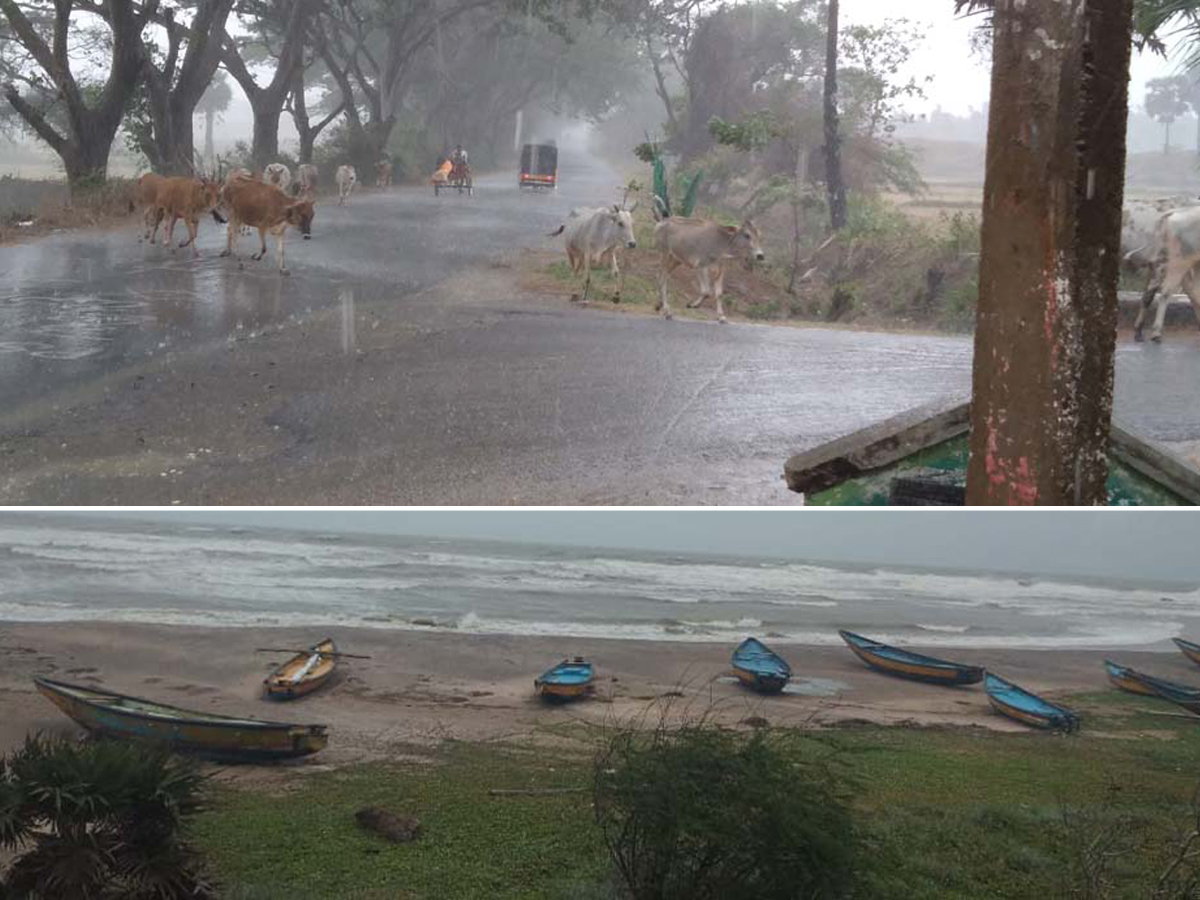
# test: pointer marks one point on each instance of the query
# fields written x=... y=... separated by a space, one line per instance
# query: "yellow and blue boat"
x=569 y=680
x=1136 y=682
x=905 y=664
x=205 y=734
x=759 y=667
x=1017 y=703
x=1190 y=650
x=303 y=673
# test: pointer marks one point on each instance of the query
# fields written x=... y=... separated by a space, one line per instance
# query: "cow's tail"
x=561 y=229
x=659 y=209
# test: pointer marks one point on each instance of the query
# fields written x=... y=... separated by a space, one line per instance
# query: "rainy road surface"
x=401 y=363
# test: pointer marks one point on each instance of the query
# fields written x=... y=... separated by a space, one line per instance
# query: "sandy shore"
x=420 y=688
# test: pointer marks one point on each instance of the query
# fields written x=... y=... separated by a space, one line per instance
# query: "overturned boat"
x=205 y=734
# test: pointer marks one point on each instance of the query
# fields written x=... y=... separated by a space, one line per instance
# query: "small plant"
x=97 y=820
x=699 y=812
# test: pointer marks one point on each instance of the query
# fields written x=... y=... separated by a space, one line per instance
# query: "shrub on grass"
x=97 y=820
x=700 y=812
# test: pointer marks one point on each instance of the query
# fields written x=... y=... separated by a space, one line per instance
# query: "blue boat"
x=1136 y=682
x=570 y=679
x=1017 y=703
x=759 y=667
x=895 y=661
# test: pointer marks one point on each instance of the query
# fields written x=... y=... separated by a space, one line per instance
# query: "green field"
x=944 y=813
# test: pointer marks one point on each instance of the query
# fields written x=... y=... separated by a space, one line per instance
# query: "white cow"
x=593 y=232
x=279 y=175
x=345 y=178
x=1176 y=253
x=306 y=178
x=704 y=246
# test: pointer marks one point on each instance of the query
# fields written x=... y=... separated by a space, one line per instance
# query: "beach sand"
x=419 y=688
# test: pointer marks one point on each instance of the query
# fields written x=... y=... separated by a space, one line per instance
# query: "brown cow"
x=383 y=173
x=188 y=199
x=145 y=195
x=267 y=208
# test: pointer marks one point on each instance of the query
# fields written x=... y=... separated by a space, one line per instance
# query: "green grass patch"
x=946 y=813
x=306 y=843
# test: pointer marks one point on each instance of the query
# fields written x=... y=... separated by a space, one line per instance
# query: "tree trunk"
x=834 y=184
x=210 y=153
x=86 y=163
x=1167 y=139
x=1046 y=332
x=264 y=147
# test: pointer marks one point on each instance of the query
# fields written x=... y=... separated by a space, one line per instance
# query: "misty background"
x=1157 y=546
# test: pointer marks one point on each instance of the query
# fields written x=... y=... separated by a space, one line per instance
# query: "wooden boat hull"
x=1125 y=679
x=1135 y=682
x=279 y=684
x=1028 y=708
x=760 y=668
x=566 y=681
x=1190 y=650
x=913 y=666
x=218 y=737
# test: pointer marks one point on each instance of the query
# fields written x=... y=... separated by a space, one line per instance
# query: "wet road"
x=400 y=363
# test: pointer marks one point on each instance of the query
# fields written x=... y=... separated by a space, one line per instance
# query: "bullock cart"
x=453 y=176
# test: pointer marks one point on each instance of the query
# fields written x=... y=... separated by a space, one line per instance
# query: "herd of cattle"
x=269 y=203
x=1160 y=239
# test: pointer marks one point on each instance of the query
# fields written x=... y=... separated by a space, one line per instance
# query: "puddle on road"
x=67 y=325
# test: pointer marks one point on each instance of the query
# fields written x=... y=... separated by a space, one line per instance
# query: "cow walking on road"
x=307 y=177
x=705 y=247
x=590 y=235
x=345 y=178
x=279 y=175
x=188 y=199
x=1176 y=253
x=383 y=173
x=263 y=206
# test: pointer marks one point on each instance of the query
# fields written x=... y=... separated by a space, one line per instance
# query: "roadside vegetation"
x=918 y=813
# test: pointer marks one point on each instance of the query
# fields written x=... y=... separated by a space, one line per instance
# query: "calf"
x=345 y=178
x=267 y=208
x=279 y=175
x=1176 y=254
x=704 y=246
x=383 y=173
x=592 y=234
x=188 y=199
x=306 y=179
x=145 y=196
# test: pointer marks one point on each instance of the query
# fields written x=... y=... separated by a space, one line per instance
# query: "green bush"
x=700 y=812
x=97 y=820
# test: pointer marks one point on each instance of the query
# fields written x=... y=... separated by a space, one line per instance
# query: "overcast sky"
x=1155 y=545
x=960 y=81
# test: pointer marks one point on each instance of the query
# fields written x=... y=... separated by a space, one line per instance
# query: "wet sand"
x=420 y=688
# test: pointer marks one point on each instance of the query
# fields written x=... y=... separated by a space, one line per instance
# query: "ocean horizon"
x=65 y=568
